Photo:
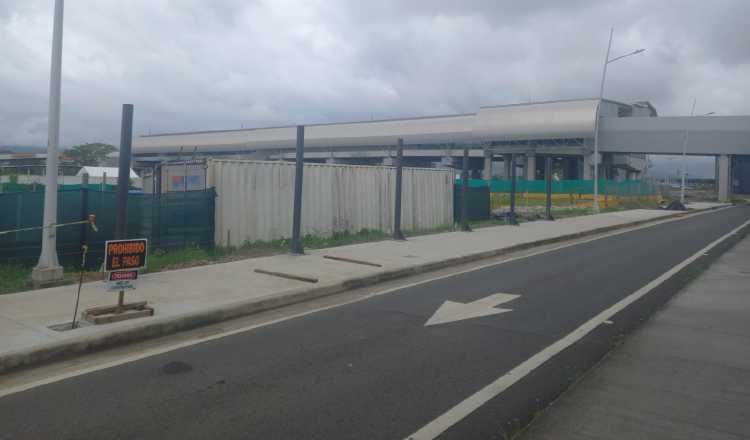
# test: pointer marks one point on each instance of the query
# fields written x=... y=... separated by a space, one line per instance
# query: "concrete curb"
x=165 y=326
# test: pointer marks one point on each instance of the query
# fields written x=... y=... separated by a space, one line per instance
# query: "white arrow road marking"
x=454 y=311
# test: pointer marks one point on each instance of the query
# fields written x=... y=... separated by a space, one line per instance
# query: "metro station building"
x=530 y=132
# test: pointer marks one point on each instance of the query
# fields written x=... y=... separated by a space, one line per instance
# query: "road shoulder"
x=683 y=374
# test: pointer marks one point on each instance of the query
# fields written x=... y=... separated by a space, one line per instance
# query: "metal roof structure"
x=536 y=121
x=542 y=120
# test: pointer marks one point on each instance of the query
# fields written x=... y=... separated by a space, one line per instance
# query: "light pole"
x=48 y=268
x=684 y=153
x=607 y=61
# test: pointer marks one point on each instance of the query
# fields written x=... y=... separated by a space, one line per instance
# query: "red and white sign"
x=122 y=280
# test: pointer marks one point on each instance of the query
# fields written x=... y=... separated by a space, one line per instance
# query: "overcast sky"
x=199 y=64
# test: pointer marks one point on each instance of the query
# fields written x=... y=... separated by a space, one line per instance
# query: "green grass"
x=160 y=260
x=14 y=278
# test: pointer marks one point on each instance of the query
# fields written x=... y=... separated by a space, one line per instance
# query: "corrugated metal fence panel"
x=255 y=199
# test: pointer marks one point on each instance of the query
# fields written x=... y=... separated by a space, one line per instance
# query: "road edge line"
x=467 y=406
x=50 y=352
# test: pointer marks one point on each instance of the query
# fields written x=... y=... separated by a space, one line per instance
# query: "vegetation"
x=90 y=154
x=16 y=277
x=190 y=256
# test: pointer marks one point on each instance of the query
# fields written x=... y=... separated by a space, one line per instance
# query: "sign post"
x=122 y=260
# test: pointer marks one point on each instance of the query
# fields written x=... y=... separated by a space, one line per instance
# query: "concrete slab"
x=684 y=374
x=706 y=205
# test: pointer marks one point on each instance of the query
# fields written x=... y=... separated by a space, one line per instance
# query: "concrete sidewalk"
x=684 y=375
x=197 y=296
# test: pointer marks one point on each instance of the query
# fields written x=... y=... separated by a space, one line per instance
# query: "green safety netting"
x=622 y=188
x=10 y=187
x=169 y=221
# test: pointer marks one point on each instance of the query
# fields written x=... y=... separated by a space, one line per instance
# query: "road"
x=372 y=369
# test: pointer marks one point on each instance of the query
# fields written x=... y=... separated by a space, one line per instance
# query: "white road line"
x=476 y=400
x=165 y=349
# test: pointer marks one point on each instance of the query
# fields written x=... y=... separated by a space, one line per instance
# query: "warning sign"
x=125 y=254
x=122 y=280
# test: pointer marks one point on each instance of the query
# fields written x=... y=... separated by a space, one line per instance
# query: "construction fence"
x=167 y=220
x=254 y=199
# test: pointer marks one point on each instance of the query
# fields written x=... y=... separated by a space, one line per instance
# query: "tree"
x=90 y=154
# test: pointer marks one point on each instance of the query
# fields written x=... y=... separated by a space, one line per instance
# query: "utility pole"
x=548 y=180
x=123 y=181
x=511 y=218
x=596 y=124
x=299 y=166
x=684 y=157
x=465 y=192
x=597 y=115
x=397 y=234
x=48 y=268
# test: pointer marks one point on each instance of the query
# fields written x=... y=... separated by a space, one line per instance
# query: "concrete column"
x=530 y=167
x=587 y=172
x=446 y=162
x=506 y=165
x=331 y=159
x=487 y=171
x=724 y=177
x=716 y=175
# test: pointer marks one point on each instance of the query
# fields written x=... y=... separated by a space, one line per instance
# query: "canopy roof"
x=530 y=121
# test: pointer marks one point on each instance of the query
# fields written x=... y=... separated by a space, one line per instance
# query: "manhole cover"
x=177 y=367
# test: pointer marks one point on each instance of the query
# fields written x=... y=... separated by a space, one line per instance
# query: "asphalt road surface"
x=372 y=369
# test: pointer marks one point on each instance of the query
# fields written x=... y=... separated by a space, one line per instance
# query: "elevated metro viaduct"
x=564 y=130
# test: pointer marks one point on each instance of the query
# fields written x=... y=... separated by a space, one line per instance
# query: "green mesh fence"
x=477 y=203
x=610 y=187
x=10 y=187
x=169 y=220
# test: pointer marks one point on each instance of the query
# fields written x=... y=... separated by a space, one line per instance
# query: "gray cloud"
x=192 y=64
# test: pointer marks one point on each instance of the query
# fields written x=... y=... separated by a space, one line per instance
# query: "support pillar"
x=332 y=160
x=724 y=177
x=507 y=159
x=530 y=168
x=587 y=173
x=487 y=172
x=465 y=192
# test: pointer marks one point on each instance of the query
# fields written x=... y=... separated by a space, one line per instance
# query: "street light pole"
x=684 y=156
x=48 y=268
x=596 y=123
x=607 y=61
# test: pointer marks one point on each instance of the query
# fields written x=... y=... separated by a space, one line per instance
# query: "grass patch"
x=160 y=260
x=14 y=278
